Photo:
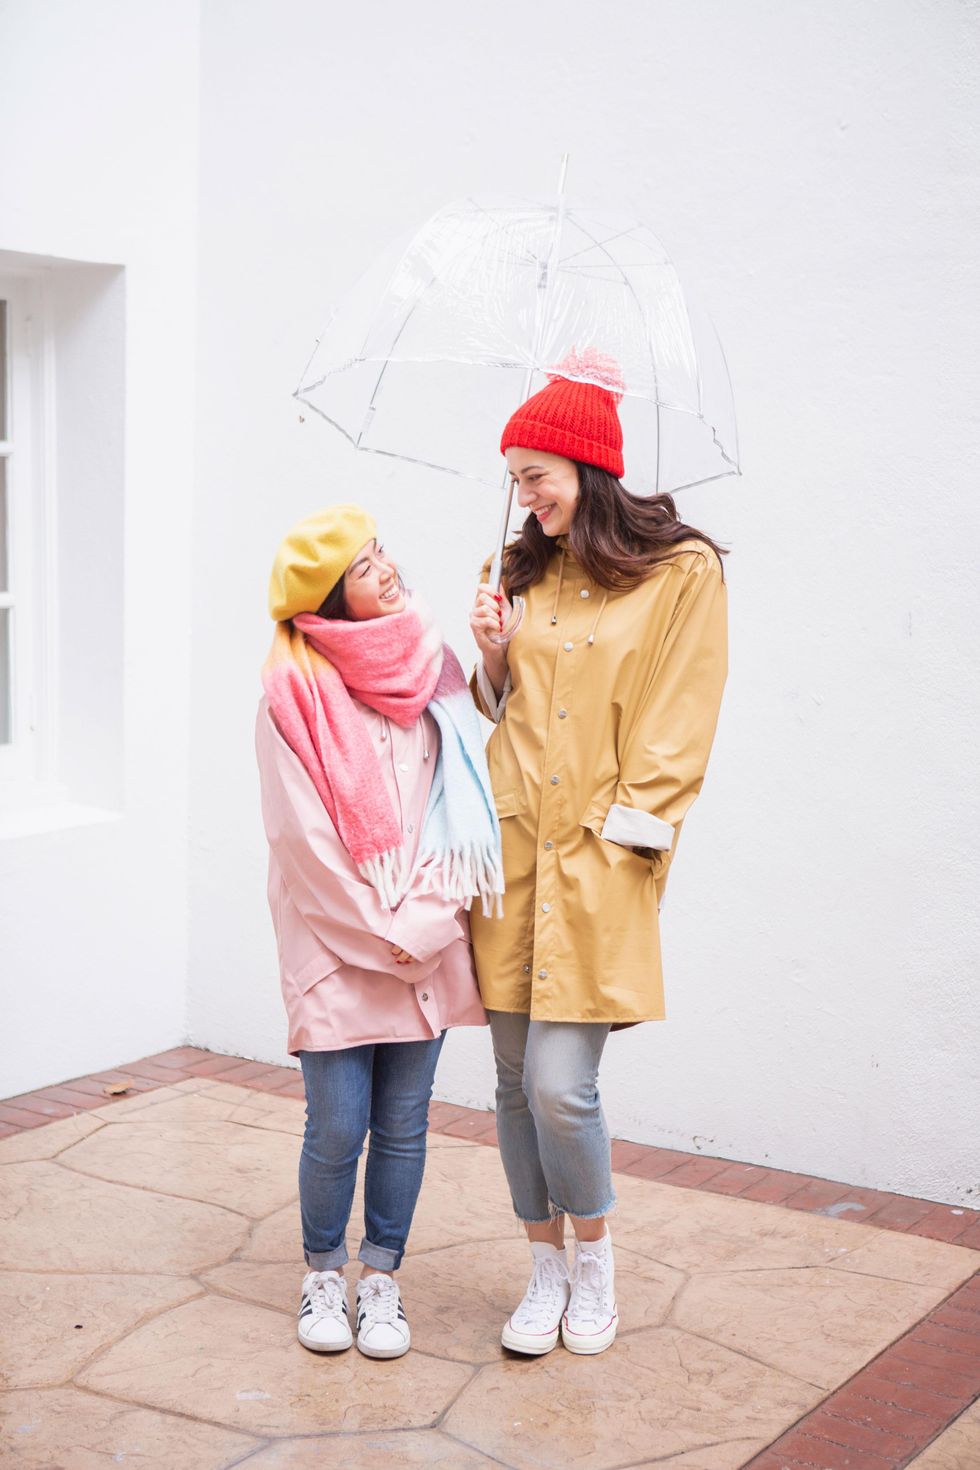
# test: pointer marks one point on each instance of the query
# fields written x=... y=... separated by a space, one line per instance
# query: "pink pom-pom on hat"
x=593 y=366
x=575 y=419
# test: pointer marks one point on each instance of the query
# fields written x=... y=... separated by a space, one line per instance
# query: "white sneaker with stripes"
x=324 y=1316
x=382 y=1327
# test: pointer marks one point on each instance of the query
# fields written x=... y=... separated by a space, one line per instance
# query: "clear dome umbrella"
x=444 y=336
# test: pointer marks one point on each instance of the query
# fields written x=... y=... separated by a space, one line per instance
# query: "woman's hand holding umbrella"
x=491 y=613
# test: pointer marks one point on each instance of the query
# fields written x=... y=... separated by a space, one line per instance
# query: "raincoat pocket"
x=510 y=803
x=315 y=970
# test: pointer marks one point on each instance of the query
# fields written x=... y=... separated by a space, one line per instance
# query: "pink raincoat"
x=340 y=982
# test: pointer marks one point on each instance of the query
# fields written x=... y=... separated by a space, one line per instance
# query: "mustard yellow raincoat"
x=602 y=739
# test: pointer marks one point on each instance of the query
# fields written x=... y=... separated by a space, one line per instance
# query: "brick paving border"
x=881 y=1419
x=894 y=1406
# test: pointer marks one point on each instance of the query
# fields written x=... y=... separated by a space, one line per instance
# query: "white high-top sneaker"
x=534 y=1327
x=324 y=1316
x=382 y=1327
x=590 y=1320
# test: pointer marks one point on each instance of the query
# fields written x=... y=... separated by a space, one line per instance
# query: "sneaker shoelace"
x=545 y=1295
x=378 y=1301
x=327 y=1296
x=589 y=1287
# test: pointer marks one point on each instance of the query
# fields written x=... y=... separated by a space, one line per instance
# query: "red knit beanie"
x=576 y=420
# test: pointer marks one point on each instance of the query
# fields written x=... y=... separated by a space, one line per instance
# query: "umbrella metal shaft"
x=496 y=566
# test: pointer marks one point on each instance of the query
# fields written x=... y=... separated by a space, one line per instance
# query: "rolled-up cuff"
x=631 y=828
x=379 y=1256
x=327 y=1260
x=493 y=703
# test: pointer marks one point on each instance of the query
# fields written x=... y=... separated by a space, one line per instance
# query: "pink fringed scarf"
x=398 y=666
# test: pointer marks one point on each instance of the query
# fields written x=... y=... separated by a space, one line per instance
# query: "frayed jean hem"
x=592 y=1214
x=555 y=1212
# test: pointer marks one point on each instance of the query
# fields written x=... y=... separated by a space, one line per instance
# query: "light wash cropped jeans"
x=385 y=1088
x=553 y=1138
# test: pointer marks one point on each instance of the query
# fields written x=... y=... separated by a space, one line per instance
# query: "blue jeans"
x=553 y=1138
x=384 y=1087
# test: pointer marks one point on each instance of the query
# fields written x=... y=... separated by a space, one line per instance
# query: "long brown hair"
x=618 y=538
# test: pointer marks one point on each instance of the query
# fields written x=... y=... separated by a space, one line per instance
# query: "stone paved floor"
x=149 y=1271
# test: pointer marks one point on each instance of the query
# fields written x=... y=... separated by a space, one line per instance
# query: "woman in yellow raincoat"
x=605 y=705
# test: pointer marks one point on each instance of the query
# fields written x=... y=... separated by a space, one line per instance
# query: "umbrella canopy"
x=429 y=354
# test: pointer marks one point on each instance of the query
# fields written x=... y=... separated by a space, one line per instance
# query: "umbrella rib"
x=427 y=464
x=316 y=348
x=599 y=266
x=632 y=290
x=522 y=257
x=401 y=329
x=333 y=422
x=362 y=356
x=714 y=433
x=619 y=235
x=398 y=336
x=386 y=363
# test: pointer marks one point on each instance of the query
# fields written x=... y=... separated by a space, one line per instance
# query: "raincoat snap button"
x=402 y=766
x=546 y=908
x=548 y=846
x=542 y=974
x=425 y=995
x=527 y=969
x=562 y=714
x=568 y=647
x=554 y=780
x=411 y=827
x=584 y=592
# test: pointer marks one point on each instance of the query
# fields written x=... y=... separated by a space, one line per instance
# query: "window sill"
x=30 y=821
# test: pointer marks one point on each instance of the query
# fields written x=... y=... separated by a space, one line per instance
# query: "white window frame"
x=25 y=761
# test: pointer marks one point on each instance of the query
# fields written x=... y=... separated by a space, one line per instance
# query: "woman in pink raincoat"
x=381 y=829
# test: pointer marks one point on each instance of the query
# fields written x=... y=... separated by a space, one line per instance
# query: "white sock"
x=600 y=1247
x=541 y=1249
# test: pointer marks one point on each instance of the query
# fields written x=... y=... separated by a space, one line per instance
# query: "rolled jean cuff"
x=379 y=1256
x=327 y=1260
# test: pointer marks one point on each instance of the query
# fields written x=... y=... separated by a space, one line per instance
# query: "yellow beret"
x=314 y=556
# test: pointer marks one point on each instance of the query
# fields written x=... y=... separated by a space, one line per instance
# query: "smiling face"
x=371 y=585
x=547 y=486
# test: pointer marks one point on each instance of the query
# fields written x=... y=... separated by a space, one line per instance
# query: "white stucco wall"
x=811 y=166
x=98 y=114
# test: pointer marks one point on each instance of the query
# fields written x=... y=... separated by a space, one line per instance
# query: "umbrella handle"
x=496 y=566
x=516 y=619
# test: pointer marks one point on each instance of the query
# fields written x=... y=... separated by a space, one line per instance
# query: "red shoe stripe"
x=612 y=1319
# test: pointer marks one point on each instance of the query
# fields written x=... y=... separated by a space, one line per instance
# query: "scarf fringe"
x=387 y=874
x=458 y=877
x=461 y=876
